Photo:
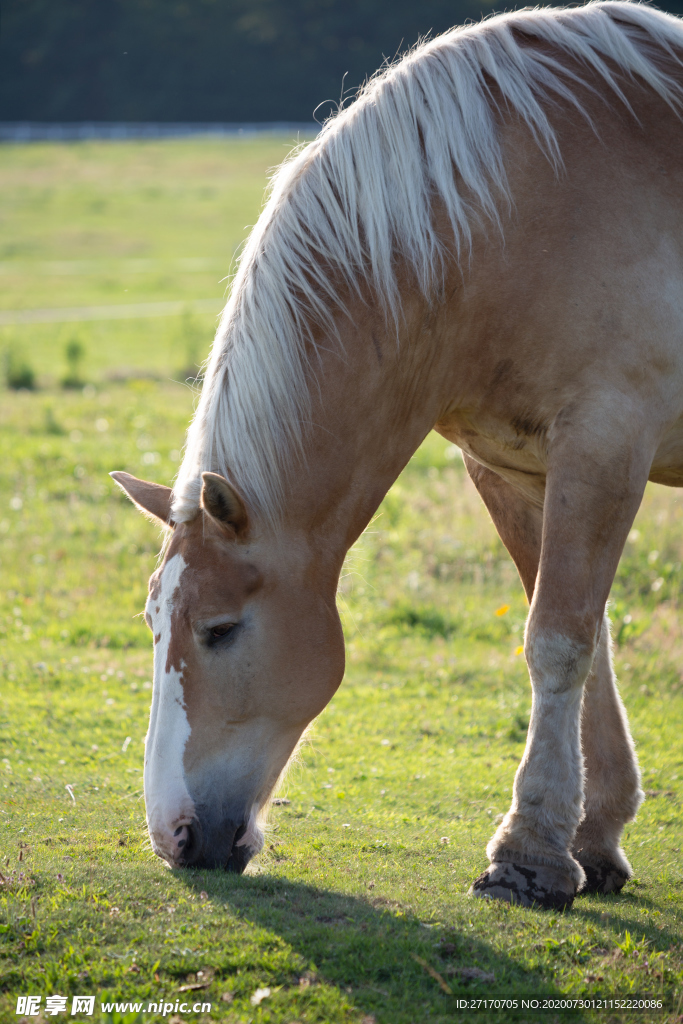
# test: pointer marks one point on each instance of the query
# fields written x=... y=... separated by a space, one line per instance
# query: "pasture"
x=357 y=910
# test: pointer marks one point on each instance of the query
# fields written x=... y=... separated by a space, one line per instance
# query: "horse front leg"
x=613 y=793
x=588 y=511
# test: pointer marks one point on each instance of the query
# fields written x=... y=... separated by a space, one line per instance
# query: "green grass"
x=98 y=224
x=402 y=778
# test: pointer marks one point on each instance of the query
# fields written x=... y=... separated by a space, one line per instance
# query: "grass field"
x=357 y=911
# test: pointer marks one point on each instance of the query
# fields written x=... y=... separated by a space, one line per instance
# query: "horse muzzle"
x=207 y=842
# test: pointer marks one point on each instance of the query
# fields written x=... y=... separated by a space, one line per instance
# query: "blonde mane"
x=351 y=203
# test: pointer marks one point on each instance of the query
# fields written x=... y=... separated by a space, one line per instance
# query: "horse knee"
x=559 y=662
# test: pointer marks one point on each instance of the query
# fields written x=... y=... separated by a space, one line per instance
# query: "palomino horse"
x=488 y=241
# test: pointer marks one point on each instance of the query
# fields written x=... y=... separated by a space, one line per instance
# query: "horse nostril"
x=183 y=838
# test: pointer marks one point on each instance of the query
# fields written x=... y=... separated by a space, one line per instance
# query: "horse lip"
x=239 y=855
x=203 y=853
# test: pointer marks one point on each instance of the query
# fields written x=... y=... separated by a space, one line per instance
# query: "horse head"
x=247 y=651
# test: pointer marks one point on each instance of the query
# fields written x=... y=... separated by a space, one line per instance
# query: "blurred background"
x=205 y=60
x=116 y=248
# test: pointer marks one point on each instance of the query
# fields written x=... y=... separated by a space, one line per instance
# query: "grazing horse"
x=488 y=242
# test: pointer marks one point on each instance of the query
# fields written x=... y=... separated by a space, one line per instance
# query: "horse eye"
x=221 y=631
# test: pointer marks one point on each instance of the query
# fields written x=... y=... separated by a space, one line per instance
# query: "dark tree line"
x=203 y=60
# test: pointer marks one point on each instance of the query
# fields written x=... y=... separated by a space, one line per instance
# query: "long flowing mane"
x=350 y=204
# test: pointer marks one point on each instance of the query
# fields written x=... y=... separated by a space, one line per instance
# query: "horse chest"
x=513 y=449
x=667 y=465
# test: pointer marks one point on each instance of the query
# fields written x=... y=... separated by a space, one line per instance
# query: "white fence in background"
x=36 y=131
x=131 y=311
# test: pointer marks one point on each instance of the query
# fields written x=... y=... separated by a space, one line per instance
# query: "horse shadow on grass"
x=614 y=913
x=390 y=966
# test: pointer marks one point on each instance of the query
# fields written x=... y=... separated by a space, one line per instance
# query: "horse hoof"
x=528 y=885
x=602 y=877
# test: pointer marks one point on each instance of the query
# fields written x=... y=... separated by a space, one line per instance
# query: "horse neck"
x=378 y=391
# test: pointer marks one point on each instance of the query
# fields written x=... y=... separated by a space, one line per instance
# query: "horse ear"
x=223 y=503
x=154 y=500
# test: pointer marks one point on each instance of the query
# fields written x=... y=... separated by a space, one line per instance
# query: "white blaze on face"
x=168 y=802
